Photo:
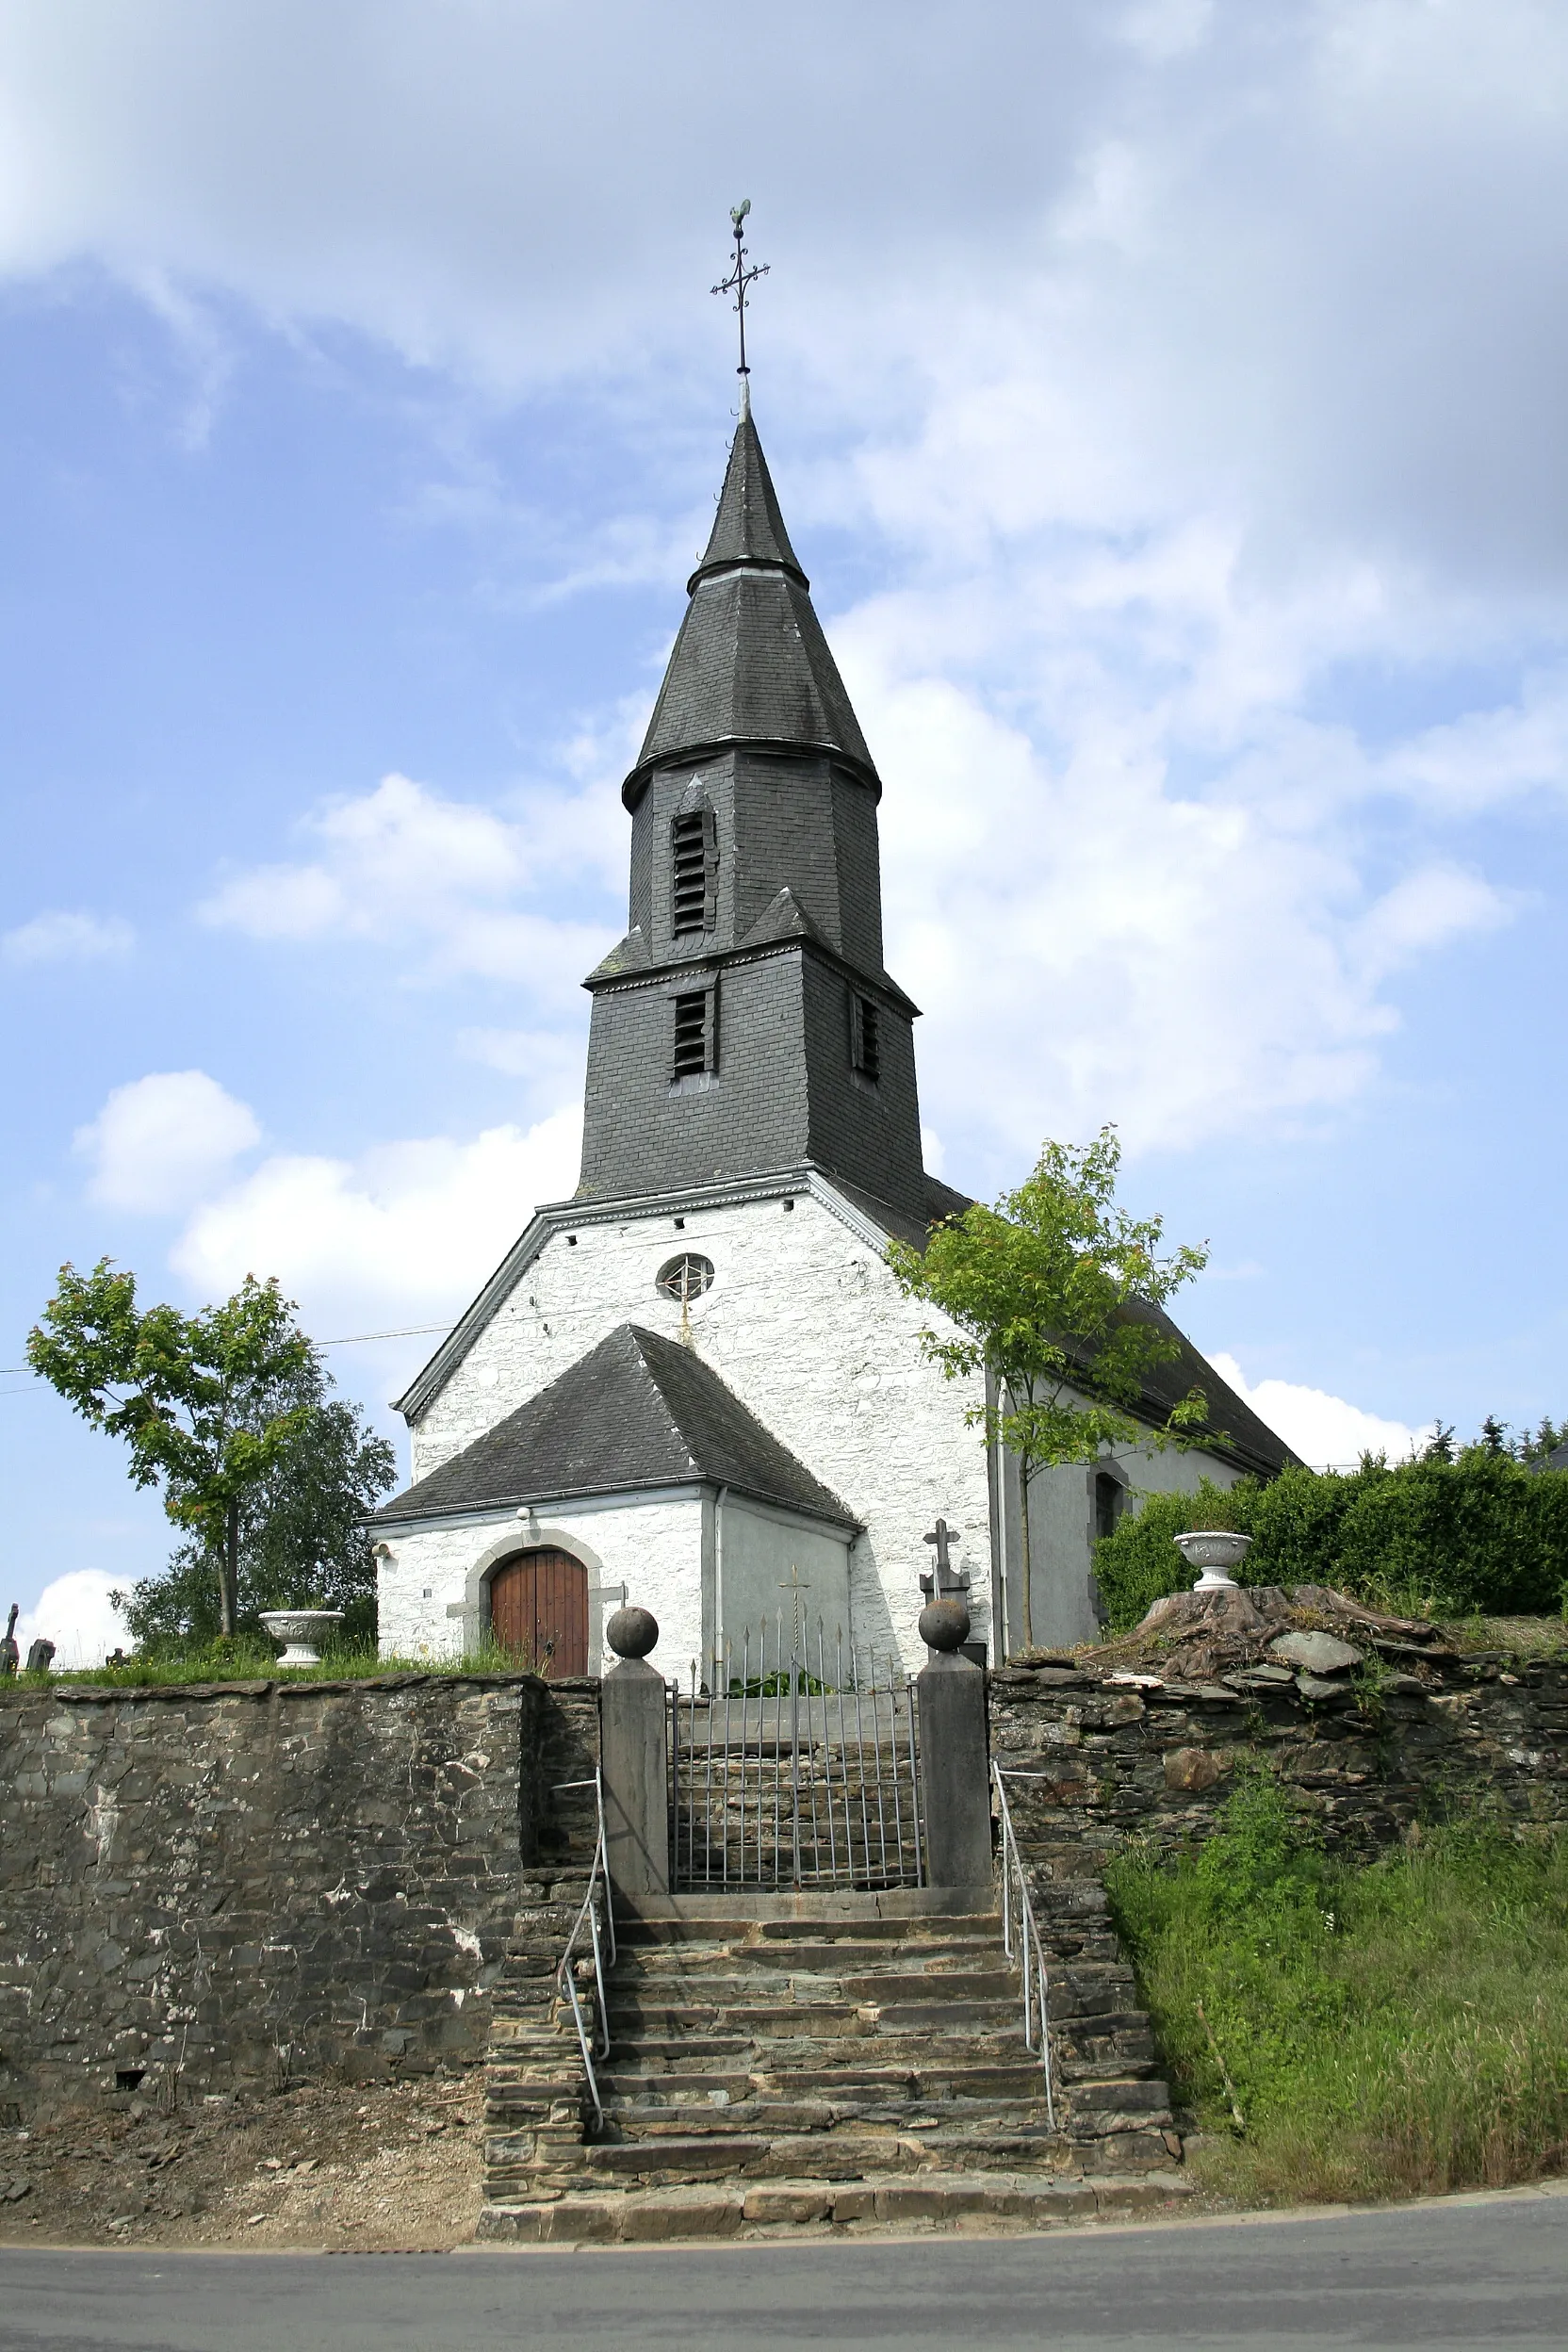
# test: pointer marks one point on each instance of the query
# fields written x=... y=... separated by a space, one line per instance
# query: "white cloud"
x=1327 y=1433
x=434 y=882
x=75 y=1613
x=161 y=1141
x=408 y=1228
x=1088 y=945
x=1213 y=361
x=547 y=1058
x=67 y=938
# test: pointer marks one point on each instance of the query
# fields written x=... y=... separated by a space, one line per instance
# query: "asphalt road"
x=1465 y=2273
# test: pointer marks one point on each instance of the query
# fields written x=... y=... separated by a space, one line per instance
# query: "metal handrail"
x=565 y=1975
x=1029 y=1952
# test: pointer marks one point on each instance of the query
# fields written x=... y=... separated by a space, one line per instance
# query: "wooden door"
x=539 y=1609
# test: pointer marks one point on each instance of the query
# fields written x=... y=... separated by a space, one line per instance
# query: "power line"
x=349 y=1339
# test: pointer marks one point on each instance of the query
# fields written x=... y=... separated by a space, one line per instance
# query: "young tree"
x=207 y=1403
x=1050 y=1290
x=302 y=1538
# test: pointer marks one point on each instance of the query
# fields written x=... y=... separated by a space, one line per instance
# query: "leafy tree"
x=210 y=1405
x=1051 y=1291
x=303 y=1541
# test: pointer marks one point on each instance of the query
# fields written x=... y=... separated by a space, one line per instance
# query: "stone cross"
x=943 y=1578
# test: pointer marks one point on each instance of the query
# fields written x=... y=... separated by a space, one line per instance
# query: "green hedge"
x=1440 y=1539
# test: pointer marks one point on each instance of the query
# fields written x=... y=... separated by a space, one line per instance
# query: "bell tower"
x=745 y=1025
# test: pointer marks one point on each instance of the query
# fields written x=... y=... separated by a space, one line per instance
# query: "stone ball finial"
x=632 y=1632
x=944 y=1624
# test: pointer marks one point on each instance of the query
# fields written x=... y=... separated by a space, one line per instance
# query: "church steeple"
x=751 y=665
x=745 y=1025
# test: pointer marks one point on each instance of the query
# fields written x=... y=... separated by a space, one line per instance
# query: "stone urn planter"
x=1216 y=1551
x=300 y=1630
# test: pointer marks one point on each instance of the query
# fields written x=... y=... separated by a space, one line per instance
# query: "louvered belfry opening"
x=866 y=1043
x=692 y=1029
x=689 y=909
x=539 y=1610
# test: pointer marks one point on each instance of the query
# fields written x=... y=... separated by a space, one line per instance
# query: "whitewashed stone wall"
x=806 y=1325
x=431 y=1580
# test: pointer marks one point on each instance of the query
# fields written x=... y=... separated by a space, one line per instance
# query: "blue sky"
x=1166 y=400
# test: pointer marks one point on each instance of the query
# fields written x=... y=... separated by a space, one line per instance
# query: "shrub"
x=1440 y=1539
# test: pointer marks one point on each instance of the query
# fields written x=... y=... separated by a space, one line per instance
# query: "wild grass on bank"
x=1392 y=2028
x=245 y=1661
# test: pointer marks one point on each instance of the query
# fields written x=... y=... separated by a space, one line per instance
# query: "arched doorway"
x=539 y=1609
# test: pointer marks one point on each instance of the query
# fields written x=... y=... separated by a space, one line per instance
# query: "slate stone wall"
x=1097 y=1764
x=208 y=1885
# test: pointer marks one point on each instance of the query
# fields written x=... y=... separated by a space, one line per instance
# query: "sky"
x=1165 y=398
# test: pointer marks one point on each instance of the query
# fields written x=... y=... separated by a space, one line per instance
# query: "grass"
x=247 y=1661
x=1391 y=2028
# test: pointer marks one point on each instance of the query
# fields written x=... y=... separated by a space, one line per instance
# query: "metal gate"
x=802 y=1771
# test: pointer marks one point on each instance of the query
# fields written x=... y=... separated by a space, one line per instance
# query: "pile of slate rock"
x=1253 y=1637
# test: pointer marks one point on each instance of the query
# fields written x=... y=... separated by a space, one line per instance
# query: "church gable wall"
x=806 y=1325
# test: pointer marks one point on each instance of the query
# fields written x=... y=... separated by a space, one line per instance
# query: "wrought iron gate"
x=803 y=1770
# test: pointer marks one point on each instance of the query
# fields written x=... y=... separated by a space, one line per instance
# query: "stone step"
x=701 y=1962
x=783 y=2206
x=879 y=2083
x=829 y=2021
x=813 y=1987
x=817 y=1925
x=852 y=2052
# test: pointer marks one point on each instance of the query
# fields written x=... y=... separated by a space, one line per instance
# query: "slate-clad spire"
x=749 y=527
x=746 y=1024
x=751 y=665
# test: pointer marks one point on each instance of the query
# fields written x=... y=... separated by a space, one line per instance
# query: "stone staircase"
x=836 y=2060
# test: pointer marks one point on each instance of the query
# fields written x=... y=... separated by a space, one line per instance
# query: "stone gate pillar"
x=955 y=1754
x=633 y=1758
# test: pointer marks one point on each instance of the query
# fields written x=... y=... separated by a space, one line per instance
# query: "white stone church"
x=697 y=1383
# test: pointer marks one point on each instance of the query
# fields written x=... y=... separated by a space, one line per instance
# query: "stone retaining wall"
x=205 y=1885
x=1108 y=1762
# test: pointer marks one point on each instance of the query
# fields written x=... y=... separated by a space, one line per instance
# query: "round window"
x=686 y=1277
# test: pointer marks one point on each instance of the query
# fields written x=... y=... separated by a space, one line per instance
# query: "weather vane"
x=741 y=277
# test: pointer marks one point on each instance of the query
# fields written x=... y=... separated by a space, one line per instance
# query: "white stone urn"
x=1216 y=1551
x=300 y=1629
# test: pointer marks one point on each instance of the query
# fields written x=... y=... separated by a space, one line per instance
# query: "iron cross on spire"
x=740 y=277
x=941 y=1580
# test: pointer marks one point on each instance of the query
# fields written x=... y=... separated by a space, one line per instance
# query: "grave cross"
x=796 y=1585
x=942 y=1578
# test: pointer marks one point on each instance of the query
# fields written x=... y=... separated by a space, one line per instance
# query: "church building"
x=696 y=1384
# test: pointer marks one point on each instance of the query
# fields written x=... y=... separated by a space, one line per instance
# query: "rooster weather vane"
x=741 y=278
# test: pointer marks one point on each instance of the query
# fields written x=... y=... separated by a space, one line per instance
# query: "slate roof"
x=751 y=665
x=637 y=1410
x=1228 y=1418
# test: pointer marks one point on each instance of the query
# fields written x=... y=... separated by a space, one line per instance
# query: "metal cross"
x=795 y=1587
x=741 y=277
x=943 y=1578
